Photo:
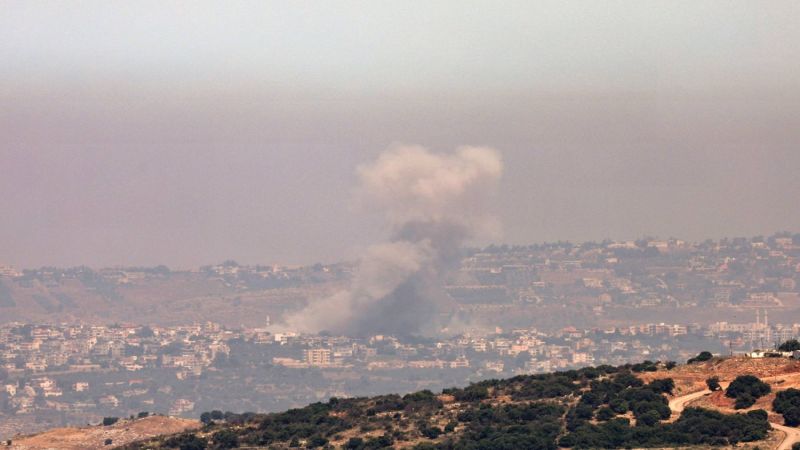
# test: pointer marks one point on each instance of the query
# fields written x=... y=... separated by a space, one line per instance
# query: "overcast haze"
x=178 y=133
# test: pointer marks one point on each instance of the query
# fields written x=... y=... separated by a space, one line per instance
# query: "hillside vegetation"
x=601 y=407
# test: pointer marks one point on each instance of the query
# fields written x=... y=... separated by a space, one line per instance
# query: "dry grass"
x=122 y=432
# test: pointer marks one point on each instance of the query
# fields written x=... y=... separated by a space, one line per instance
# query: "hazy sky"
x=186 y=133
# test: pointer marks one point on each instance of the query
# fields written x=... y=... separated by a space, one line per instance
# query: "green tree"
x=788 y=403
x=108 y=421
x=604 y=414
x=790 y=346
x=746 y=389
x=702 y=356
x=744 y=400
x=225 y=439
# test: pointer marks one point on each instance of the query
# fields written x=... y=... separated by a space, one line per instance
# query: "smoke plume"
x=433 y=204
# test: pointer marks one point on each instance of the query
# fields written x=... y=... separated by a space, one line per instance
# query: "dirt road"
x=678 y=404
x=792 y=436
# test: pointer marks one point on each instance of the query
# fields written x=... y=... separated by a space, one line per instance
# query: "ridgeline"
x=628 y=406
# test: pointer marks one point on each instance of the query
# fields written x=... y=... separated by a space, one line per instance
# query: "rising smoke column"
x=433 y=204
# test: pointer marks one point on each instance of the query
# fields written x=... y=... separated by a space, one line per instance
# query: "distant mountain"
x=641 y=405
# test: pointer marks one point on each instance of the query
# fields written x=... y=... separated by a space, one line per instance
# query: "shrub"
x=791 y=417
x=788 y=403
x=664 y=385
x=431 y=432
x=618 y=405
x=744 y=401
x=646 y=366
x=316 y=441
x=649 y=418
x=186 y=441
x=790 y=346
x=354 y=443
x=702 y=356
x=713 y=384
x=225 y=439
x=604 y=414
x=746 y=389
x=107 y=421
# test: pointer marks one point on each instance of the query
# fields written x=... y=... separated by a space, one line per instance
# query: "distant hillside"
x=168 y=298
x=629 y=406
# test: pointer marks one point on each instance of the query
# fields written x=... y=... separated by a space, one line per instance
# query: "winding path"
x=792 y=436
x=678 y=404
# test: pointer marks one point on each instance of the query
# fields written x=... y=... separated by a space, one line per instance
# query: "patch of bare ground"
x=691 y=377
x=96 y=437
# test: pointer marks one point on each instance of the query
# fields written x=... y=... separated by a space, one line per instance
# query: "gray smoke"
x=433 y=203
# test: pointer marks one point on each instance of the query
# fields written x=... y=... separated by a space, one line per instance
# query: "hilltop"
x=641 y=405
x=96 y=437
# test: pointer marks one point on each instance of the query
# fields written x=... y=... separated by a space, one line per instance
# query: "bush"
x=604 y=414
x=713 y=384
x=108 y=441
x=354 y=443
x=472 y=393
x=108 y=421
x=225 y=439
x=316 y=441
x=702 y=356
x=744 y=401
x=664 y=385
x=746 y=389
x=431 y=432
x=618 y=405
x=186 y=442
x=791 y=417
x=649 y=418
x=789 y=346
x=788 y=403
x=670 y=365
x=646 y=366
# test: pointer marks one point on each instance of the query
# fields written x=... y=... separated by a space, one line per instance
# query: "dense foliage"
x=713 y=384
x=701 y=357
x=788 y=403
x=746 y=389
x=695 y=426
x=790 y=346
x=587 y=408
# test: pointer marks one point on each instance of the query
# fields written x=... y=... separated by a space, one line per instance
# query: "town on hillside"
x=524 y=310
